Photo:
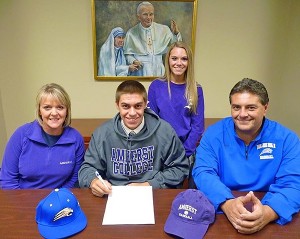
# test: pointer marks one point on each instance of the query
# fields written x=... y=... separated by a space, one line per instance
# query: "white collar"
x=136 y=130
x=146 y=28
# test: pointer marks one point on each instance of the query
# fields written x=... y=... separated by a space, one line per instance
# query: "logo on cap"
x=59 y=215
x=190 y=216
x=66 y=212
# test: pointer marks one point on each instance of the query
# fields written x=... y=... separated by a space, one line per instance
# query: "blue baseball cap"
x=59 y=215
x=190 y=216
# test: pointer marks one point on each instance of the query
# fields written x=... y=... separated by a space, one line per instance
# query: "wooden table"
x=17 y=219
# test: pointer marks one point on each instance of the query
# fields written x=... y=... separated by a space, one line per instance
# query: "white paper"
x=129 y=205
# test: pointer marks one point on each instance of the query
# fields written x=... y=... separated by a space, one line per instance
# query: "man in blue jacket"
x=248 y=152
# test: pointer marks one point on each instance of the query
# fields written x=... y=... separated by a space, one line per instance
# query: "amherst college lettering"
x=132 y=162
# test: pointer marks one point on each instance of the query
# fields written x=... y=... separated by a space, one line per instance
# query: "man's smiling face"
x=131 y=108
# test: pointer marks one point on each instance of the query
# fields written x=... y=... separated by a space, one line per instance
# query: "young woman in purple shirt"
x=178 y=98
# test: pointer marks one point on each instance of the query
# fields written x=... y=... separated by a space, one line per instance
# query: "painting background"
x=111 y=14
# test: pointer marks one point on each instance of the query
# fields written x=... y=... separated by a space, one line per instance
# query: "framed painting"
x=131 y=38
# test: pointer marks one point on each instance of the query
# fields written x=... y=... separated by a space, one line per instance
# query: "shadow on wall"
x=3 y=135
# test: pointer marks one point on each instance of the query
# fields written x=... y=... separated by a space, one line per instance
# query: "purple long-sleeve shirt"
x=188 y=126
x=29 y=162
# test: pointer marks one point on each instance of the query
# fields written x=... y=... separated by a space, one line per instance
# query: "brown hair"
x=253 y=87
x=131 y=87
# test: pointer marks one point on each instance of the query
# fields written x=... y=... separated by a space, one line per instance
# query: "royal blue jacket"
x=29 y=162
x=270 y=163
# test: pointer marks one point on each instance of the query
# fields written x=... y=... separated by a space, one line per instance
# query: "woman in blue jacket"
x=45 y=153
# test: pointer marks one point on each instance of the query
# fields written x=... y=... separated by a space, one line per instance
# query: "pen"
x=101 y=179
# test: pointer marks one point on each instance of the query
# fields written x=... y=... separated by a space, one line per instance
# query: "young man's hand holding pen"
x=99 y=186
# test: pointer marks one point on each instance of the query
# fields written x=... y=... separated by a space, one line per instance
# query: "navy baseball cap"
x=190 y=216
x=59 y=215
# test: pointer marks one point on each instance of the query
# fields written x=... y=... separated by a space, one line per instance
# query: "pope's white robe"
x=135 y=48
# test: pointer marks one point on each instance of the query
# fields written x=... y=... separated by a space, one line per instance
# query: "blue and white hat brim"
x=63 y=231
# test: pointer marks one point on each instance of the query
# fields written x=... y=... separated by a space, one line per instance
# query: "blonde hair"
x=191 y=93
x=57 y=92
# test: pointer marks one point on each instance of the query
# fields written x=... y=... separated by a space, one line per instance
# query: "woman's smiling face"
x=178 y=62
x=53 y=114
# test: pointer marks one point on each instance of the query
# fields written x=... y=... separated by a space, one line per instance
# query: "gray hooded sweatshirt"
x=154 y=155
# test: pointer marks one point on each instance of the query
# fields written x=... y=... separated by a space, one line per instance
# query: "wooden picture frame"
x=109 y=15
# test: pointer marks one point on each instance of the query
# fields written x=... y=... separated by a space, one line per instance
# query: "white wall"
x=46 y=41
x=2 y=130
x=287 y=97
x=237 y=39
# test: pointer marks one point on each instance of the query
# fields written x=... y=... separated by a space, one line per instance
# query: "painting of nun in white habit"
x=112 y=61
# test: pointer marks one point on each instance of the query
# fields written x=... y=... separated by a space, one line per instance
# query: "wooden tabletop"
x=17 y=219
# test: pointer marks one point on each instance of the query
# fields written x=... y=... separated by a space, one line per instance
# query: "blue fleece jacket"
x=270 y=163
x=29 y=162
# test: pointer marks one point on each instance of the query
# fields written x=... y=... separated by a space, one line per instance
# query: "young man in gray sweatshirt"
x=134 y=148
